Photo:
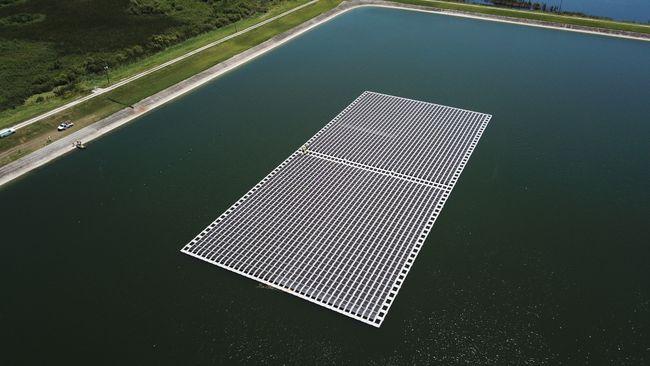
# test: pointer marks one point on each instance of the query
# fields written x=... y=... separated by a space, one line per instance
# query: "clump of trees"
x=9 y=2
x=21 y=19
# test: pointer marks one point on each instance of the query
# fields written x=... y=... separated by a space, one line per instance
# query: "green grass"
x=32 y=137
x=533 y=15
x=86 y=35
x=14 y=56
x=32 y=53
x=182 y=70
x=172 y=52
x=73 y=31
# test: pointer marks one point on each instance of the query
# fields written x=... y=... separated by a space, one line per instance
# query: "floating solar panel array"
x=340 y=221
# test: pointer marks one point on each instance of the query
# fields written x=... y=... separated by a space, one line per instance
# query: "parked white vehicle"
x=6 y=132
x=65 y=125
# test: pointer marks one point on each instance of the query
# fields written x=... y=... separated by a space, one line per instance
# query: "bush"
x=134 y=52
x=21 y=19
x=93 y=65
x=62 y=90
x=56 y=65
x=140 y=8
x=120 y=58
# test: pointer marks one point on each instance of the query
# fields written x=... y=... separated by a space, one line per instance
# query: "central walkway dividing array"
x=340 y=222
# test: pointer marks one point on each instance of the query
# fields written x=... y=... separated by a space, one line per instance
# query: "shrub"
x=93 y=65
x=62 y=90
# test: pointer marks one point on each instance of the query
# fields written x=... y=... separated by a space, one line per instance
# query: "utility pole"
x=108 y=81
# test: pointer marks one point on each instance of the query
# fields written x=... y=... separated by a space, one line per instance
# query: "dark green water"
x=540 y=256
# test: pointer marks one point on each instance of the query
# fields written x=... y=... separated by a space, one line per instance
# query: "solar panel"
x=340 y=222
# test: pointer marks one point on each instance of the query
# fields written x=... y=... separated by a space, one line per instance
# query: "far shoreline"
x=44 y=155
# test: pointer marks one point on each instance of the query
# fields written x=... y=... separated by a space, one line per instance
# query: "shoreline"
x=42 y=156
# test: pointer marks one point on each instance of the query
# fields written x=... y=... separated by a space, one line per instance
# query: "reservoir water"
x=540 y=256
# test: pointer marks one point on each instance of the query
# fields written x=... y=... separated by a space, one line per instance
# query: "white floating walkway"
x=341 y=223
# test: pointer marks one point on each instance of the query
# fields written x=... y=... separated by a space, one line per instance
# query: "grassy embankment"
x=532 y=15
x=15 y=54
x=36 y=135
x=22 y=52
